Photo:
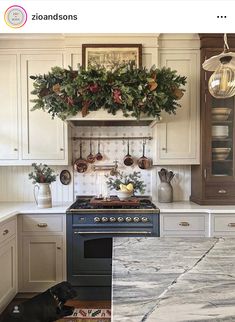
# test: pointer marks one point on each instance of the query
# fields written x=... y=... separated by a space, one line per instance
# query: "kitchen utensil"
x=114 y=171
x=80 y=165
x=128 y=160
x=143 y=162
x=220 y=131
x=91 y=158
x=220 y=153
x=98 y=155
x=169 y=176
x=162 y=175
x=220 y=113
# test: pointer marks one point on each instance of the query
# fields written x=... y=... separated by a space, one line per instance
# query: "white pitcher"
x=42 y=195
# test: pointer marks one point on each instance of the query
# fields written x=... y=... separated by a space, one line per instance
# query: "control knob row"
x=121 y=219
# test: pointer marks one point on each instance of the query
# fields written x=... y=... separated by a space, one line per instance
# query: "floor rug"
x=88 y=315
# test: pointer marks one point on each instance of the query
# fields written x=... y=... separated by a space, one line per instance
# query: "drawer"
x=224 y=223
x=183 y=223
x=7 y=230
x=223 y=190
x=42 y=223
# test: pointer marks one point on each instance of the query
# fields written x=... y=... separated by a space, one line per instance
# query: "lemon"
x=123 y=187
x=130 y=187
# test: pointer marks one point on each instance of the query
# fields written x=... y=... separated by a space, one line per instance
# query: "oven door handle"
x=111 y=232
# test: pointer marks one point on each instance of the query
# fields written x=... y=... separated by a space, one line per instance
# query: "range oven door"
x=91 y=258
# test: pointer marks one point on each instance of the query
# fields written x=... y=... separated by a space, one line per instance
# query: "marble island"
x=173 y=279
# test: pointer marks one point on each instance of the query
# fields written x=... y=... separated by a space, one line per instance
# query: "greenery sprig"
x=42 y=174
x=64 y=92
x=121 y=178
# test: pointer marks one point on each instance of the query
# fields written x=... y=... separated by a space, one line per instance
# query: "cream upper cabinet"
x=42 y=138
x=176 y=137
x=9 y=131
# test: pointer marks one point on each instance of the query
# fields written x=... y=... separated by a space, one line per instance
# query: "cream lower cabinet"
x=222 y=224
x=176 y=137
x=184 y=224
x=42 y=261
x=8 y=262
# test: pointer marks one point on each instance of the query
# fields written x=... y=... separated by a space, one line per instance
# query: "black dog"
x=45 y=307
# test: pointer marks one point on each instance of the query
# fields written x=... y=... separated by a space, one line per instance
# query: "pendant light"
x=222 y=82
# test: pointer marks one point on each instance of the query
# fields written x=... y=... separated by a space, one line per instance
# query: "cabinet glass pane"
x=222 y=129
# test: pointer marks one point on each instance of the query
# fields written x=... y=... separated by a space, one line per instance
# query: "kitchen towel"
x=88 y=315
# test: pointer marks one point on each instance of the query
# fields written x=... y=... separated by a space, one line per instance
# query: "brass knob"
x=6 y=231
x=42 y=225
x=184 y=224
x=58 y=247
x=231 y=224
x=163 y=149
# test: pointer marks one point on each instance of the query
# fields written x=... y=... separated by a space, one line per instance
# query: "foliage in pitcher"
x=64 y=92
x=42 y=174
x=114 y=182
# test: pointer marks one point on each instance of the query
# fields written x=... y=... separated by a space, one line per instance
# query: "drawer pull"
x=231 y=224
x=222 y=191
x=184 y=223
x=5 y=232
x=42 y=225
x=58 y=247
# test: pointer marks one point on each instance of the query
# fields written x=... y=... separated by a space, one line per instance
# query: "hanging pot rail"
x=75 y=138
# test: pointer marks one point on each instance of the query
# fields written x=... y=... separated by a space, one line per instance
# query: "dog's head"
x=64 y=291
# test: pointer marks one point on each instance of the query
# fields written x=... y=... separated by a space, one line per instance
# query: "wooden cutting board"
x=114 y=201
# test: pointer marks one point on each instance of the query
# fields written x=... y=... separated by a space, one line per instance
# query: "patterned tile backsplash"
x=93 y=182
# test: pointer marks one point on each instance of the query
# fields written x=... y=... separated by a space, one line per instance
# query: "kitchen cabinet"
x=42 y=261
x=9 y=130
x=176 y=137
x=184 y=224
x=43 y=139
x=213 y=181
x=8 y=262
x=222 y=224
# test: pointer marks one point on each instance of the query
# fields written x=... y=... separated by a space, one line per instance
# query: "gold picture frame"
x=109 y=54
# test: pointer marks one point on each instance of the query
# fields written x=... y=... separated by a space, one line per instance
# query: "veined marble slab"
x=173 y=279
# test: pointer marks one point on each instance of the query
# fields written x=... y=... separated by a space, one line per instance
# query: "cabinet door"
x=43 y=138
x=9 y=108
x=8 y=269
x=42 y=262
x=177 y=136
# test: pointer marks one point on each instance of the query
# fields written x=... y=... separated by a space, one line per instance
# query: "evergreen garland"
x=64 y=92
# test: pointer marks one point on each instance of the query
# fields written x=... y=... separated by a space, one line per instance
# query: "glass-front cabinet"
x=213 y=181
x=222 y=138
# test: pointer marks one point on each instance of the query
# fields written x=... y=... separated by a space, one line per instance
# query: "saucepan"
x=144 y=162
x=80 y=164
x=128 y=160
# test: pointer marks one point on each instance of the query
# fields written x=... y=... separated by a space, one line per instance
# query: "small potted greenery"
x=126 y=185
x=42 y=176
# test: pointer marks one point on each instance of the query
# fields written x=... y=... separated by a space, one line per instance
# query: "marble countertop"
x=173 y=279
x=11 y=209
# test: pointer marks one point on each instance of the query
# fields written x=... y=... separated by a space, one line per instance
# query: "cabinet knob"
x=163 y=149
x=41 y=225
x=15 y=149
x=58 y=247
x=222 y=191
x=184 y=223
x=5 y=232
x=61 y=149
x=231 y=224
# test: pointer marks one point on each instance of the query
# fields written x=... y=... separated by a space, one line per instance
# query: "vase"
x=42 y=195
x=165 y=192
x=124 y=195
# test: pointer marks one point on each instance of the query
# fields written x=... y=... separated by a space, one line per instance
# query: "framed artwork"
x=109 y=54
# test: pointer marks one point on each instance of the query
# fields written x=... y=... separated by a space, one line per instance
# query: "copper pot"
x=98 y=155
x=128 y=160
x=91 y=157
x=80 y=164
x=143 y=162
